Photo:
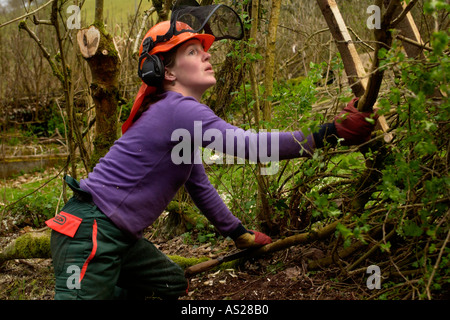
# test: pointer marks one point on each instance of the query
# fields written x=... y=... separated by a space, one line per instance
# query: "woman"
x=97 y=243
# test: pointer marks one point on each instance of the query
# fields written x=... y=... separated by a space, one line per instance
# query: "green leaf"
x=344 y=231
x=386 y=247
x=370 y=120
x=411 y=229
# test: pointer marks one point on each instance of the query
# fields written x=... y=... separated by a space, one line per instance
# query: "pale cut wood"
x=88 y=41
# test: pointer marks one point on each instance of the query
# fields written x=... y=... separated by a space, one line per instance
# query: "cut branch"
x=282 y=244
x=352 y=64
x=409 y=33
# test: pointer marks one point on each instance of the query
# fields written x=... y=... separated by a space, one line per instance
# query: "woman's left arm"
x=207 y=199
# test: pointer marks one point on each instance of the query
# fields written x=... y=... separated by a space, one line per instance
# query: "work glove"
x=353 y=126
x=244 y=238
x=252 y=239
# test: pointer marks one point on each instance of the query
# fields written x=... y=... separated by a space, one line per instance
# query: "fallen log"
x=282 y=244
x=30 y=245
x=297 y=239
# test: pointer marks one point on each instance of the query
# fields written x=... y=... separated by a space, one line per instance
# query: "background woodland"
x=383 y=203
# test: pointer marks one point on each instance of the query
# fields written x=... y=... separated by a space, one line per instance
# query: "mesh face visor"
x=219 y=20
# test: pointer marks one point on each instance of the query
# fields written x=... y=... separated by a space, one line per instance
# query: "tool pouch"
x=64 y=222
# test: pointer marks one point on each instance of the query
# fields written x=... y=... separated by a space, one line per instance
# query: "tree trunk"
x=99 y=50
x=270 y=58
x=228 y=80
x=253 y=81
x=264 y=211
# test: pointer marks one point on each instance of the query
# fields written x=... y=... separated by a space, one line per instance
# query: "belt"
x=78 y=193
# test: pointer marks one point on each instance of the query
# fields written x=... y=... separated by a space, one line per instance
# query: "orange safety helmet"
x=161 y=29
x=151 y=57
x=188 y=18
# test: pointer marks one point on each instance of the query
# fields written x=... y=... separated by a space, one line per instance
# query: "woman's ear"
x=169 y=75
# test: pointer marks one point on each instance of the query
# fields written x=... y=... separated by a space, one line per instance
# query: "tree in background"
x=99 y=50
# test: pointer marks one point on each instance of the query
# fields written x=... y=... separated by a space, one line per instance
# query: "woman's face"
x=192 y=73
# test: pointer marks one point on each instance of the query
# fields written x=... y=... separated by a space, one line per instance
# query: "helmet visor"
x=219 y=20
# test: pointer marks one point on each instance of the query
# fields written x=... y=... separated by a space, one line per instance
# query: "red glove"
x=252 y=239
x=352 y=126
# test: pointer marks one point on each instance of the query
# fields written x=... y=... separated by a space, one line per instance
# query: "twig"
x=359 y=40
x=26 y=15
x=436 y=265
x=369 y=252
x=403 y=14
x=23 y=26
x=411 y=41
x=141 y=29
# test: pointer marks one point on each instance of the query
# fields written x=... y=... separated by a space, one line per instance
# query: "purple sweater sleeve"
x=207 y=199
x=210 y=131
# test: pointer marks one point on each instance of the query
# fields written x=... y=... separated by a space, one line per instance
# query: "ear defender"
x=151 y=67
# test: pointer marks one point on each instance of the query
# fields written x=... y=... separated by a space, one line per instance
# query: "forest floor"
x=282 y=275
x=278 y=276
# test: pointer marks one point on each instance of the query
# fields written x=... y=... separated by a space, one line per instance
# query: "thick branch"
x=272 y=247
x=28 y=246
x=383 y=37
x=99 y=11
x=297 y=239
x=403 y=14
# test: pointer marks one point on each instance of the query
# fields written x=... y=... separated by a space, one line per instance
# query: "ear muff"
x=151 y=68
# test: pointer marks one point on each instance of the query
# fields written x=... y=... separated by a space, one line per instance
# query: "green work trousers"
x=101 y=262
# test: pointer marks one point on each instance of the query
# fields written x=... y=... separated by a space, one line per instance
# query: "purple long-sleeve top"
x=135 y=181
